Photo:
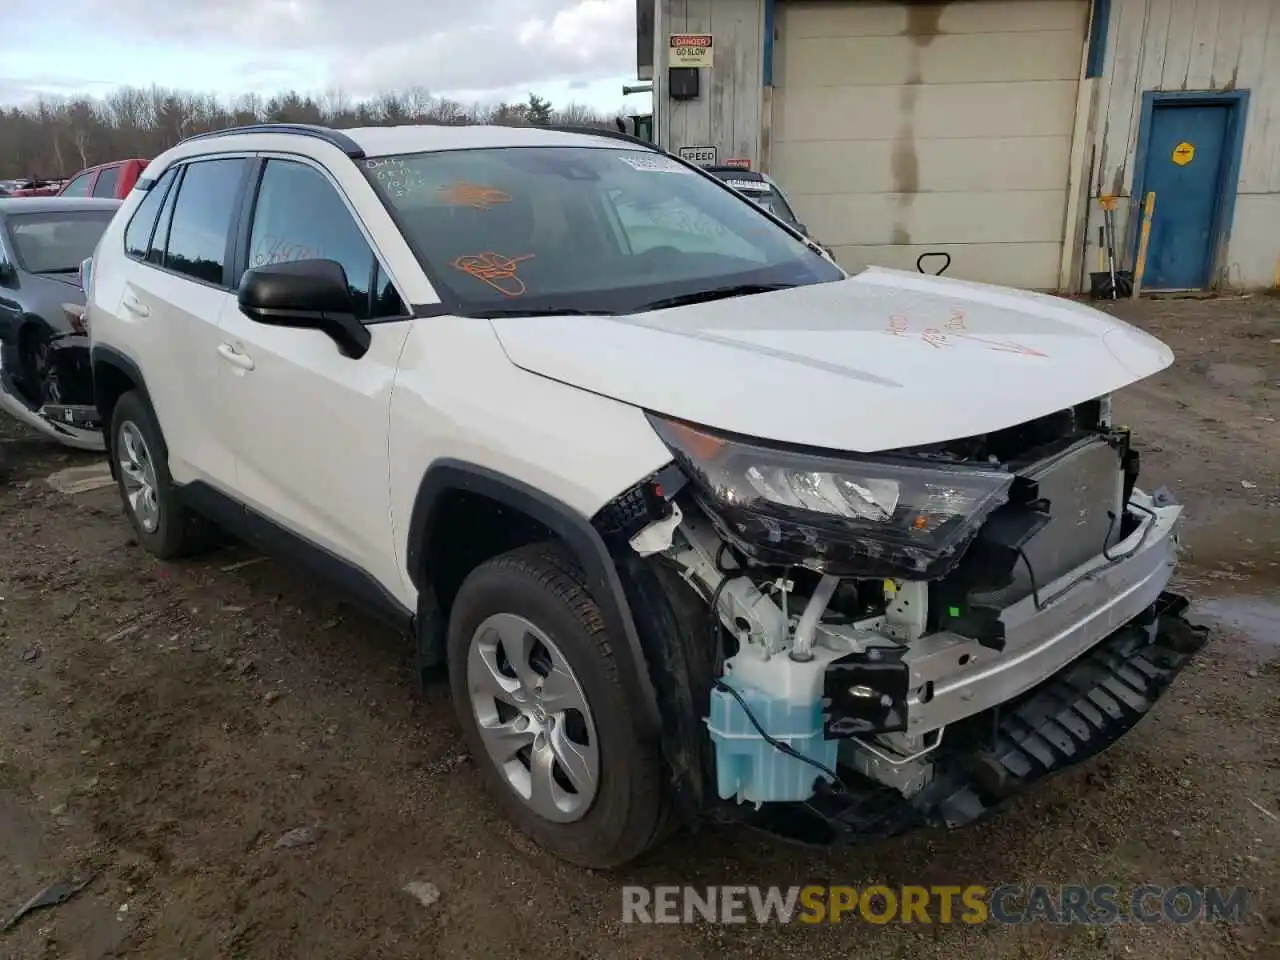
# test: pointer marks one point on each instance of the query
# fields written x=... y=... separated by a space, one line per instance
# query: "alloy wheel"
x=139 y=474
x=533 y=717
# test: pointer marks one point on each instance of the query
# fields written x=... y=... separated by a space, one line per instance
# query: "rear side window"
x=79 y=187
x=201 y=221
x=137 y=236
x=299 y=215
x=107 y=180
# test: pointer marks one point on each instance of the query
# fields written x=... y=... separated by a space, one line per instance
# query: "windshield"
x=583 y=229
x=56 y=242
x=764 y=193
x=772 y=201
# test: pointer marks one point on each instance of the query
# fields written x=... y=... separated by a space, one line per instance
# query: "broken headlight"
x=854 y=516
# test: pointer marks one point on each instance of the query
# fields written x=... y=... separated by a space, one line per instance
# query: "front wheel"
x=538 y=694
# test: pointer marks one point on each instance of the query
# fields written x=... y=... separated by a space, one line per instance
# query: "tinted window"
x=107 y=180
x=57 y=242
x=137 y=237
x=582 y=228
x=155 y=252
x=79 y=187
x=201 y=220
x=300 y=216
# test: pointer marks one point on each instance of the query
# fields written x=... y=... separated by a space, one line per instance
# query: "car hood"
x=881 y=360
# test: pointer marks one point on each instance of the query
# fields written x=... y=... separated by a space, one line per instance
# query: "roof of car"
x=12 y=205
x=738 y=173
x=111 y=163
x=362 y=142
x=380 y=141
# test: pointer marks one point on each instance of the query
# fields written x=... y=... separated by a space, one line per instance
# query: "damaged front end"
x=53 y=394
x=846 y=646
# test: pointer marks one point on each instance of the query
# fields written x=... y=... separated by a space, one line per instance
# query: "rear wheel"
x=163 y=524
x=538 y=694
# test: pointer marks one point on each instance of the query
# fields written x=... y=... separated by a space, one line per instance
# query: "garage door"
x=901 y=128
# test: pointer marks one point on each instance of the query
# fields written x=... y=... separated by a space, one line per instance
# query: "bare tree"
x=56 y=137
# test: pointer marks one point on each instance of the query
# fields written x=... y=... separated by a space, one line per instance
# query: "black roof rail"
x=603 y=132
x=582 y=130
x=335 y=137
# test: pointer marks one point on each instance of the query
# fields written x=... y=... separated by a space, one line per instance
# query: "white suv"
x=698 y=522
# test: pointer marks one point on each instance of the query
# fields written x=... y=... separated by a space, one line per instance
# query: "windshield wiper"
x=715 y=293
x=501 y=312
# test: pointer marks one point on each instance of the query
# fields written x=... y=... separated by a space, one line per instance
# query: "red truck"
x=113 y=180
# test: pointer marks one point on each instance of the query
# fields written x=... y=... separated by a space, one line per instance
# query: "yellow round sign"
x=1183 y=153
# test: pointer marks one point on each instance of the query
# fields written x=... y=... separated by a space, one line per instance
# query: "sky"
x=484 y=51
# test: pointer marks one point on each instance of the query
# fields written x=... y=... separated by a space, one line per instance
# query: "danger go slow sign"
x=690 y=50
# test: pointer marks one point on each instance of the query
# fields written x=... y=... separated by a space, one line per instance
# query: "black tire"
x=544 y=585
x=179 y=532
x=34 y=356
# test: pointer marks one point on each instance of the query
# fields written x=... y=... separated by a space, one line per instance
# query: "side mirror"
x=8 y=273
x=802 y=228
x=307 y=294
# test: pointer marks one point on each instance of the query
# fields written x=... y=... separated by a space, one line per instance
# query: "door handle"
x=134 y=304
x=235 y=357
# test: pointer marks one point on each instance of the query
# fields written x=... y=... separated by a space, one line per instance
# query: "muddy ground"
x=164 y=724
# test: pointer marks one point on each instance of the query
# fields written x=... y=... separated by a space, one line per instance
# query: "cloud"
x=441 y=45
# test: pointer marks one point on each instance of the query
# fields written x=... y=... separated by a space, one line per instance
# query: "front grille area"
x=1084 y=486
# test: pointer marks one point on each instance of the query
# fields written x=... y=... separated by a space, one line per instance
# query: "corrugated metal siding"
x=727 y=112
x=1186 y=45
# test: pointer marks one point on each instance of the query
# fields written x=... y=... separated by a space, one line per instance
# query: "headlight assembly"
x=856 y=516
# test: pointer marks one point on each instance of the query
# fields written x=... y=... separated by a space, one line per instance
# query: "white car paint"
x=334 y=449
x=884 y=359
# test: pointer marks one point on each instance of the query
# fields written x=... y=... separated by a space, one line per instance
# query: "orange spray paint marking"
x=474 y=195
x=496 y=270
x=934 y=338
x=900 y=326
x=1005 y=346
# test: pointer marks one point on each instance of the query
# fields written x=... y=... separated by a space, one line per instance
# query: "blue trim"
x=1233 y=152
x=1098 y=37
x=769 y=12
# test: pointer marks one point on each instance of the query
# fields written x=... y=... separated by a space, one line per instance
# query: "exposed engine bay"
x=875 y=615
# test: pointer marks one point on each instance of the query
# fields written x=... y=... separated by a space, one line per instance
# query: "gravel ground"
x=167 y=724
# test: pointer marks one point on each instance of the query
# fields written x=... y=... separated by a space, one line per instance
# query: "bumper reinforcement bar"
x=1075 y=714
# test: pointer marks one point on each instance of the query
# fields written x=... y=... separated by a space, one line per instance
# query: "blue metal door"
x=1185 y=152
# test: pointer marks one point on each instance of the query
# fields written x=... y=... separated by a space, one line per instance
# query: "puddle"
x=1256 y=617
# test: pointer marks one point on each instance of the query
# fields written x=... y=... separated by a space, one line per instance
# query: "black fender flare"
x=577 y=533
x=101 y=356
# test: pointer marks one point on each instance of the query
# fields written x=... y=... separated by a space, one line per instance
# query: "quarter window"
x=201 y=219
x=299 y=215
x=137 y=237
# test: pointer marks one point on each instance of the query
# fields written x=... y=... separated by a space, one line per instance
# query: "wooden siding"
x=727 y=111
x=1194 y=45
